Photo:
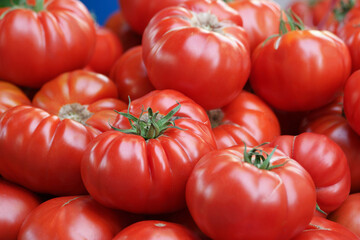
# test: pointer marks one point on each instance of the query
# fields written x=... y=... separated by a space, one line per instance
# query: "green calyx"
x=149 y=125
x=341 y=11
x=260 y=158
x=16 y=4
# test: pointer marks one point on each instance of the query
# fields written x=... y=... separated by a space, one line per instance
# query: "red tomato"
x=56 y=39
x=322 y=229
x=303 y=11
x=348 y=214
x=233 y=199
x=108 y=49
x=82 y=87
x=352 y=101
x=11 y=96
x=53 y=141
x=297 y=71
x=330 y=122
x=121 y=28
x=326 y=163
x=130 y=75
x=154 y=230
x=247 y=119
x=139 y=12
x=195 y=53
x=15 y=204
x=261 y=19
x=350 y=33
x=321 y=10
x=73 y=218
x=147 y=174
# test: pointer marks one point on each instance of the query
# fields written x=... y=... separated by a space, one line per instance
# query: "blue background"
x=102 y=9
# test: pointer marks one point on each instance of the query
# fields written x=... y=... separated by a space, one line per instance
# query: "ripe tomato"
x=230 y=198
x=152 y=229
x=331 y=122
x=139 y=12
x=130 y=75
x=218 y=50
x=73 y=218
x=300 y=70
x=348 y=214
x=352 y=101
x=52 y=139
x=147 y=173
x=11 y=96
x=322 y=229
x=325 y=162
x=58 y=38
x=108 y=49
x=262 y=18
x=15 y=204
x=247 y=119
x=303 y=11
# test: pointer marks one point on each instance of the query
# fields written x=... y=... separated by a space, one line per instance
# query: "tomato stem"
x=149 y=125
x=260 y=158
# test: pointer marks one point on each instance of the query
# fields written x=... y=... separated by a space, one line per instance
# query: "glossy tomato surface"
x=198 y=54
x=352 y=101
x=326 y=163
x=154 y=230
x=11 y=96
x=59 y=38
x=15 y=204
x=301 y=70
x=233 y=199
x=73 y=218
x=132 y=173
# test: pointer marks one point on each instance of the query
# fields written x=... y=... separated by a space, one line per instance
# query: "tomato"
x=352 y=101
x=108 y=49
x=152 y=230
x=348 y=214
x=130 y=75
x=73 y=218
x=323 y=229
x=297 y=71
x=217 y=49
x=247 y=119
x=139 y=12
x=52 y=139
x=11 y=96
x=147 y=173
x=58 y=38
x=15 y=204
x=262 y=18
x=303 y=11
x=230 y=198
x=325 y=162
x=330 y=122
x=121 y=28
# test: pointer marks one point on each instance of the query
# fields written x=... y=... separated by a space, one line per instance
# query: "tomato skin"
x=80 y=86
x=322 y=229
x=43 y=144
x=326 y=163
x=15 y=204
x=330 y=122
x=148 y=176
x=130 y=75
x=116 y=23
x=139 y=12
x=352 y=101
x=11 y=96
x=348 y=214
x=225 y=62
x=247 y=119
x=73 y=218
x=282 y=76
x=222 y=185
x=262 y=19
x=303 y=11
x=65 y=30
x=107 y=50
x=152 y=230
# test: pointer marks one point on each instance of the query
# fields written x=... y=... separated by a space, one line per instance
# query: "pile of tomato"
x=180 y=119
